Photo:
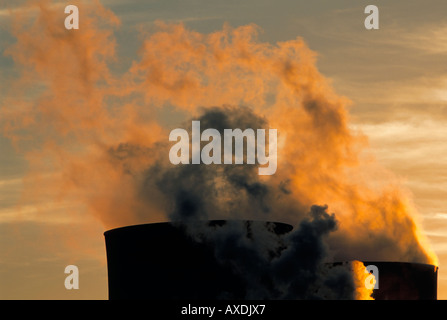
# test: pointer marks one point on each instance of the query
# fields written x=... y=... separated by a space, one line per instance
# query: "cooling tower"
x=162 y=261
x=405 y=281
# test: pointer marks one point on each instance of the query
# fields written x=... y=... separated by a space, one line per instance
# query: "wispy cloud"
x=48 y=213
x=11 y=182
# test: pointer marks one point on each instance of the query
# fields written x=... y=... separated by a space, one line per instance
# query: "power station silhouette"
x=163 y=261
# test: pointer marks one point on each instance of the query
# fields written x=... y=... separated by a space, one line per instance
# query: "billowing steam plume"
x=101 y=137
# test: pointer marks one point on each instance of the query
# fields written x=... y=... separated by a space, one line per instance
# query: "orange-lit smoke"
x=363 y=281
x=95 y=131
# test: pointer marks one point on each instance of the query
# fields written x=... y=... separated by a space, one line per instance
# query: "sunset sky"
x=395 y=79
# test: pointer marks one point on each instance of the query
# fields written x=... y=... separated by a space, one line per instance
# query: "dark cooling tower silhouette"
x=405 y=281
x=161 y=261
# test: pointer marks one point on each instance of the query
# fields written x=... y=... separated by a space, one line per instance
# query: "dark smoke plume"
x=272 y=267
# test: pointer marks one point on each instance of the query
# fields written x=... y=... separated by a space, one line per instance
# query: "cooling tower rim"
x=287 y=226
x=372 y=262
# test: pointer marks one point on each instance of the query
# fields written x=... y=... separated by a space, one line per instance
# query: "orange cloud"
x=99 y=134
